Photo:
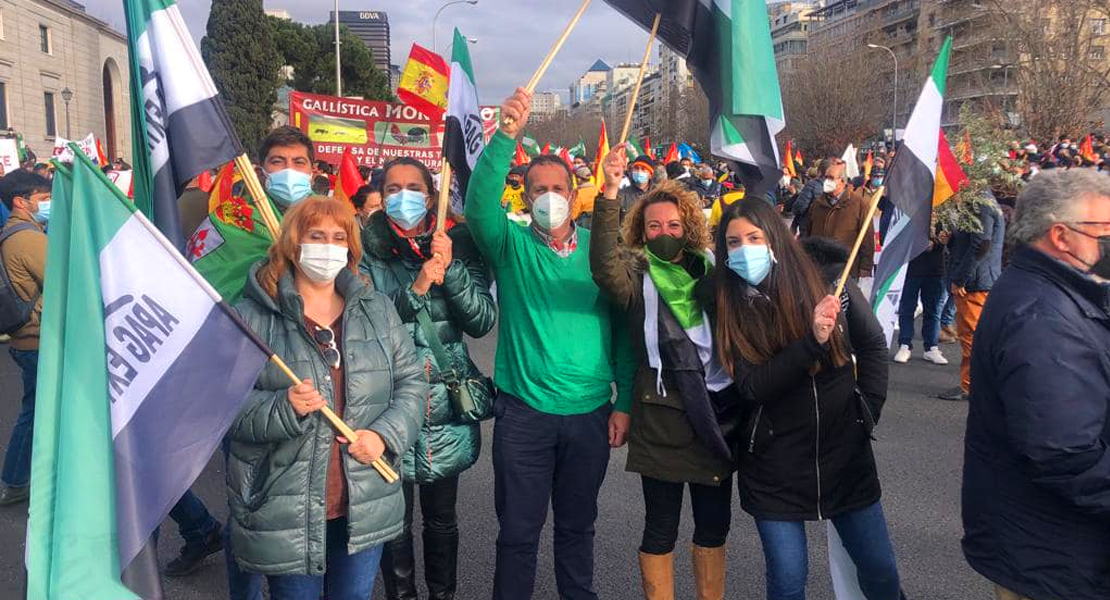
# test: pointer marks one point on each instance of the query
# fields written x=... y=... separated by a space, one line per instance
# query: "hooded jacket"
x=277 y=464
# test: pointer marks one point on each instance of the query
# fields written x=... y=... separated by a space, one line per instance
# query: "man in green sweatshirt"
x=560 y=348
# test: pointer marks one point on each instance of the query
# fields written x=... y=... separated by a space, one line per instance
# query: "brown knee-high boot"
x=709 y=572
x=657 y=572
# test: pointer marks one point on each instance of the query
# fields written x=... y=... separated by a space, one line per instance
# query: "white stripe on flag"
x=156 y=310
x=185 y=78
x=921 y=131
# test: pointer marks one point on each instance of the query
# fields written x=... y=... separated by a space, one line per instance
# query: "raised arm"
x=611 y=274
x=484 y=214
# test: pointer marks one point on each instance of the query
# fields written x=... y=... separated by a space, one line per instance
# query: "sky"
x=513 y=35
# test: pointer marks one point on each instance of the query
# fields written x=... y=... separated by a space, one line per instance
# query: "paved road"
x=919 y=453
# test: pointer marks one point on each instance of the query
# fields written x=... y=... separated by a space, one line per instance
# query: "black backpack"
x=14 y=311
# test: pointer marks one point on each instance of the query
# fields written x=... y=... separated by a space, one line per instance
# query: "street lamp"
x=469 y=39
x=338 y=70
x=67 y=95
x=894 y=129
x=470 y=2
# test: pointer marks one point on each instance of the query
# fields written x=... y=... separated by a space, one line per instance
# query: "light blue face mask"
x=877 y=182
x=407 y=208
x=752 y=263
x=639 y=177
x=42 y=215
x=288 y=186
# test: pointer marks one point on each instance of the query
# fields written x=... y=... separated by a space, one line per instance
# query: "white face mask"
x=322 y=262
x=785 y=181
x=550 y=211
x=829 y=186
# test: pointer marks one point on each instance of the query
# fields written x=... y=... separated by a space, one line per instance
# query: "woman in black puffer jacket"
x=806 y=451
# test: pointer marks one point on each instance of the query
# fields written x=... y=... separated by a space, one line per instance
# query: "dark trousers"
x=17 y=458
x=712 y=506
x=194 y=522
x=539 y=458
x=441 y=543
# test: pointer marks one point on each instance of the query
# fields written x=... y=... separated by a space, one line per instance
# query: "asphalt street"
x=920 y=450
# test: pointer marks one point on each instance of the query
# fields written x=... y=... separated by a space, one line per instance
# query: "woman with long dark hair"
x=439 y=285
x=812 y=370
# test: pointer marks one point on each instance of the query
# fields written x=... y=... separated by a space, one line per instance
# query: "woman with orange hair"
x=307 y=509
x=662 y=277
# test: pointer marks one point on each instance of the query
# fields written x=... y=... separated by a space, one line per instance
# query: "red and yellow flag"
x=788 y=160
x=648 y=150
x=672 y=154
x=950 y=177
x=546 y=148
x=1087 y=150
x=349 y=180
x=868 y=165
x=798 y=159
x=424 y=82
x=521 y=157
x=602 y=152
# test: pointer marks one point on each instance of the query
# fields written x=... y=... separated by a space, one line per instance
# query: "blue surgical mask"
x=751 y=262
x=407 y=208
x=42 y=215
x=288 y=186
x=877 y=182
x=639 y=177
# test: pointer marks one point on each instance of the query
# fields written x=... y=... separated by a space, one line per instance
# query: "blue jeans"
x=17 y=459
x=948 y=313
x=930 y=290
x=347 y=576
x=193 y=519
x=865 y=538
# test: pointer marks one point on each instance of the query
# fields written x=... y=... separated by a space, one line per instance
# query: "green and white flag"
x=531 y=146
x=463 y=141
x=727 y=45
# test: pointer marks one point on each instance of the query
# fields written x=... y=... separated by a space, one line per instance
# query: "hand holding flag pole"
x=532 y=83
x=639 y=80
x=868 y=227
x=444 y=196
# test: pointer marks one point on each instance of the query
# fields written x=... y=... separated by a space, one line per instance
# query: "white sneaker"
x=902 y=356
x=934 y=356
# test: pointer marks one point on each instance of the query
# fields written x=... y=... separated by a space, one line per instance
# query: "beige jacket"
x=24 y=256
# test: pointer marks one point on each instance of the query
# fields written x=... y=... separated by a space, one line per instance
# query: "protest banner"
x=375 y=132
x=9 y=156
x=63 y=153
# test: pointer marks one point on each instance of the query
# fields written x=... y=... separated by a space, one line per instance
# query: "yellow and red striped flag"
x=788 y=160
x=424 y=82
x=602 y=152
x=868 y=165
x=950 y=176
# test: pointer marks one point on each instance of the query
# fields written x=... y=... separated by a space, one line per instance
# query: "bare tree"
x=833 y=99
x=1062 y=64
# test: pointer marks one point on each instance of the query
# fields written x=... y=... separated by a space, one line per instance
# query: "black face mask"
x=666 y=247
x=513 y=183
x=1101 y=267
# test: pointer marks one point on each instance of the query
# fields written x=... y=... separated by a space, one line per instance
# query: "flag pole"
x=868 y=226
x=379 y=465
x=444 y=195
x=250 y=179
x=639 y=80
x=532 y=83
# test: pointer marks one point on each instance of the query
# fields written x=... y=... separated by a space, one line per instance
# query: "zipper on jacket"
x=817 y=451
x=758 y=418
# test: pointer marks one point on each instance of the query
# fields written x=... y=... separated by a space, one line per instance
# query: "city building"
x=63 y=73
x=394 y=77
x=546 y=104
x=790 y=25
x=621 y=76
x=372 y=27
x=593 y=82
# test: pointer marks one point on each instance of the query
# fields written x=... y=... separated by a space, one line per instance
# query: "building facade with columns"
x=47 y=47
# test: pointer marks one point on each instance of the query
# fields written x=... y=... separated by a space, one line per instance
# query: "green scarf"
x=676 y=288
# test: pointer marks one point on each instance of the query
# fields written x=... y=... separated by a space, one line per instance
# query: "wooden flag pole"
x=250 y=179
x=444 y=196
x=379 y=465
x=639 y=80
x=868 y=227
x=532 y=83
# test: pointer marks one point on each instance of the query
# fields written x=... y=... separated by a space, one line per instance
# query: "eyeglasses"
x=325 y=337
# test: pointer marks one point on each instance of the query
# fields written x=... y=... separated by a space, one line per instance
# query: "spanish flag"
x=424 y=83
x=788 y=160
x=521 y=157
x=950 y=177
x=602 y=152
x=868 y=165
x=349 y=180
x=672 y=154
x=1087 y=150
